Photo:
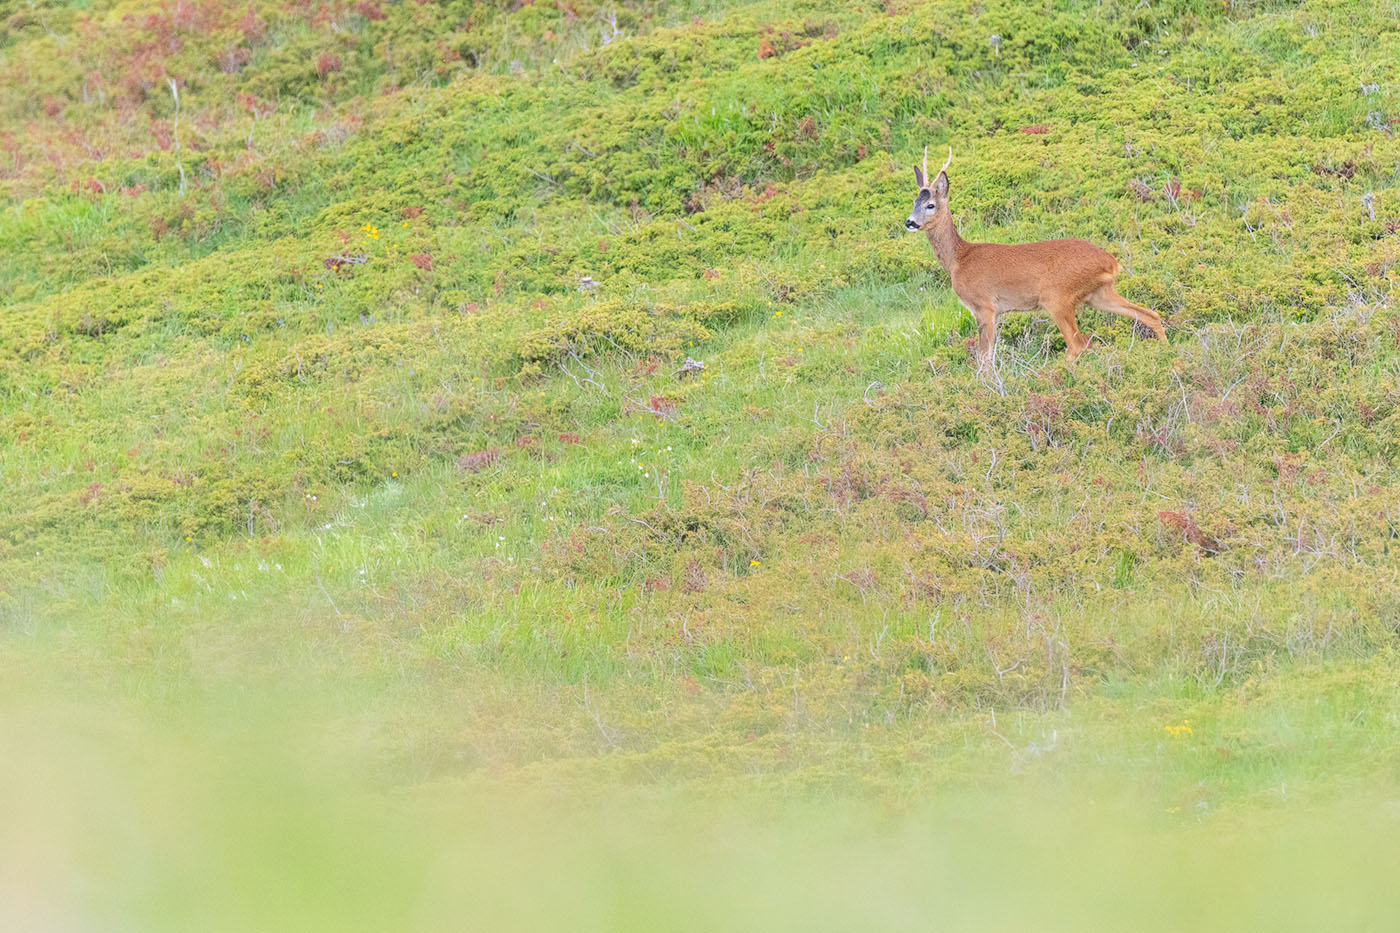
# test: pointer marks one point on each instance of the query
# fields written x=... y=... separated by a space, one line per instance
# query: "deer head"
x=932 y=197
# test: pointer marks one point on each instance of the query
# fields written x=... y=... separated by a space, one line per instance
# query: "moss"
x=629 y=327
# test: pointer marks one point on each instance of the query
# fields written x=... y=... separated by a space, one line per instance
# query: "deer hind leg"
x=1106 y=299
x=1062 y=313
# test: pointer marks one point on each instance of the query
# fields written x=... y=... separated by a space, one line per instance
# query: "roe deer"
x=990 y=278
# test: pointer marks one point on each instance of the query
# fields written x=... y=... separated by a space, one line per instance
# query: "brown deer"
x=991 y=278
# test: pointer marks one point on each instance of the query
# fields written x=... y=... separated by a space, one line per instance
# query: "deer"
x=993 y=278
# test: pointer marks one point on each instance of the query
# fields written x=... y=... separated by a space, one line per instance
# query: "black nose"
x=910 y=225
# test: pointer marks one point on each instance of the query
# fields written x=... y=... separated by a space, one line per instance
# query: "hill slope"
x=341 y=372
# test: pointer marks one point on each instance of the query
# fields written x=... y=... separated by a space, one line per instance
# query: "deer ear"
x=918 y=176
x=940 y=185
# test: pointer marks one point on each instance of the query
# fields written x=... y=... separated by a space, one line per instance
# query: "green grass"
x=328 y=584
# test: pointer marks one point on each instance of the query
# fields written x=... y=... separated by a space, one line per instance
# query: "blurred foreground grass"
x=125 y=824
x=248 y=806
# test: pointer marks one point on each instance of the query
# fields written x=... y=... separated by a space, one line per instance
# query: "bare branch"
x=175 y=132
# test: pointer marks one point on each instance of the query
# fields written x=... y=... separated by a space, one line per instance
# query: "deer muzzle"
x=911 y=224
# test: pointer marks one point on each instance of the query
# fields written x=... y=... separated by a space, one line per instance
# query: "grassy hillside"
x=352 y=477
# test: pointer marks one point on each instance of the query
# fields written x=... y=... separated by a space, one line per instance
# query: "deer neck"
x=943 y=236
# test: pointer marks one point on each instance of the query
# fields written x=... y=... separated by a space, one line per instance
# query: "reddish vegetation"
x=1191 y=531
x=233 y=58
x=252 y=26
x=862 y=579
x=252 y=106
x=119 y=69
x=694 y=580
x=343 y=263
x=1035 y=129
x=423 y=261
x=1346 y=169
x=1173 y=190
x=160 y=131
x=478 y=460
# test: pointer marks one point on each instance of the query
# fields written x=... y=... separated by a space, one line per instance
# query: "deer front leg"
x=986 y=318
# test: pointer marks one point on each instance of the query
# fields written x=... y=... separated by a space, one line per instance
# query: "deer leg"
x=1062 y=313
x=1106 y=299
x=986 y=318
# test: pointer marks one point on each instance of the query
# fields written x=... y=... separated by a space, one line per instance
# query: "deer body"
x=993 y=278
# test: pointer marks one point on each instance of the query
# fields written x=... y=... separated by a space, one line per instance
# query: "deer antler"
x=945 y=164
x=926 y=164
